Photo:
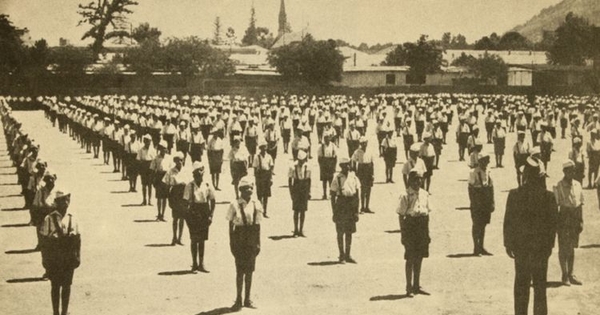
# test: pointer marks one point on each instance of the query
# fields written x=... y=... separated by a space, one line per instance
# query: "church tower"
x=283 y=23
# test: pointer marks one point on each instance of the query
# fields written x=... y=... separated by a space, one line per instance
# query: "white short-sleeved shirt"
x=327 y=150
x=175 y=177
x=419 y=165
x=264 y=163
x=360 y=156
x=48 y=228
x=345 y=185
x=198 y=193
x=252 y=210
x=414 y=203
x=239 y=155
x=568 y=195
x=299 y=172
x=215 y=144
x=146 y=154
x=162 y=164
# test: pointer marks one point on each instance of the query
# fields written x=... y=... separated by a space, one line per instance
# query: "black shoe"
x=419 y=290
x=367 y=210
x=301 y=234
x=574 y=281
x=342 y=260
x=144 y=203
x=236 y=306
x=350 y=260
x=486 y=253
x=194 y=268
x=249 y=304
x=179 y=243
x=565 y=281
x=173 y=242
x=202 y=269
x=409 y=292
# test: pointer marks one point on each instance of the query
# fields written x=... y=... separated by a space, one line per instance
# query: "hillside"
x=550 y=18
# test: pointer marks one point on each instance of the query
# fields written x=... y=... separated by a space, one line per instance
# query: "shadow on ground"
x=218 y=311
x=176 y=273
x=15 y=225
x=324 y=263
x=21 y=251
x=390 y=297
x=463 y=255
x=591 y=246
x=26 y=280
x=281 y=237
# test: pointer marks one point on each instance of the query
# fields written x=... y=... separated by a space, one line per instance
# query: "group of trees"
x=423 y=57
x=188 y=56
x=312 y=61
x=488 y=68
x=575 y=40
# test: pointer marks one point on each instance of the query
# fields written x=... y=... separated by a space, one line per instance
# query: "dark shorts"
x=245 y=262
x=415 y=237
x=60 y=276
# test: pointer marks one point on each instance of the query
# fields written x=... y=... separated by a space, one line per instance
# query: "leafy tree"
x=37 y=59
x=396 y=57
x=312 y=61
x=491 y=68
x=11 y=45
x=230 y=36
x=514 y=41
x=100 y=16
x=70 y=60
x=446 y=40
x=251 y=35
x=487 y=42
x=464 y=60
x=574 y=42
x=459 y=42
x=191 y=56
x=423 y=57
x=363 y=47
x=145 y=58
x=217 y=36
x=265 y=37
x=144 y=33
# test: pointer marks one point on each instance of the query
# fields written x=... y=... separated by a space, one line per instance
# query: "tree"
x=487 y=42
x=191 y=56
x=217 y=36
x=446 y=40
x=464 y=60
x=102 y=14
x=230 y=36
x=145 y=58
x=459 y=42
x=514 y=41
x=423 y=57
x=251 y=35
x=265 y=37
x=70 y=60
x=144 y=33
x=491 y=68
x=311 y=61
x=574 y=42
x=37 y=59
x=11 y=46
x=396 y=57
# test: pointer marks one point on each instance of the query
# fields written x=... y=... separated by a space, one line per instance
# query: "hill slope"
x=550 y=18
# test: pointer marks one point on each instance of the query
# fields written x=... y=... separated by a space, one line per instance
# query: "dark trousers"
x=531 y=267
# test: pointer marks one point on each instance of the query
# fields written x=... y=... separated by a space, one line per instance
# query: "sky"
x=355 y=21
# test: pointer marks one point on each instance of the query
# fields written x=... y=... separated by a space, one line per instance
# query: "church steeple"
x=283 y=23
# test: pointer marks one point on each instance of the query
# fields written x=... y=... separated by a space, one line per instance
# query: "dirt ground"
x=128 y=266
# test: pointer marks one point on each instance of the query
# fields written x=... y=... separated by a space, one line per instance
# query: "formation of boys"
x=151 y=137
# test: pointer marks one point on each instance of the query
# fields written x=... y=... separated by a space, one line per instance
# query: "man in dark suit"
x=529 y=233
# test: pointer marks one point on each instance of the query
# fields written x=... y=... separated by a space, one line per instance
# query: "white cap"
x=568 y=164
x=198 y=167
x=246 y=181
x=302 y=155
x=178 y=155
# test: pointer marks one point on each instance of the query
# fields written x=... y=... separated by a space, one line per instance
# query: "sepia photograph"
x=210 y=157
